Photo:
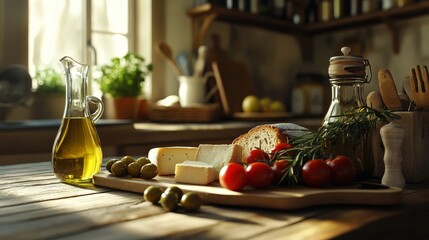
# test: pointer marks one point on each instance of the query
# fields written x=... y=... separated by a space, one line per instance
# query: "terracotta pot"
x=121 y=108
x=142 y=111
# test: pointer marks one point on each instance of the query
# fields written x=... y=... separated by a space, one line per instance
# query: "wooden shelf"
x=204 y=15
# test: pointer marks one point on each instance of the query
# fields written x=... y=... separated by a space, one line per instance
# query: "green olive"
x=110 y=163
x=149 y=171
x=143 y=160
x=127 y=160
x=169 y=201
x=152 y=194
x=134 y=169
x=191 y=201
x=119 y=169
x=176 y=190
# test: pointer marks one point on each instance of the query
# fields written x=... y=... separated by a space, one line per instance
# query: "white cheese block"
x=194 y=172
x=219 y=155
x=166 y=158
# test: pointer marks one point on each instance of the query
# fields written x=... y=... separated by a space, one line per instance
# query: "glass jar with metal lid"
x=347 y=75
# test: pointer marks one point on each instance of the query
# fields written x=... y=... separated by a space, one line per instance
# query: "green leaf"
x=124 y=77
x=49 y=81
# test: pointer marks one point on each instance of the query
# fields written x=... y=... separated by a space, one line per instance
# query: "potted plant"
x=49 y=96
x=121 y=82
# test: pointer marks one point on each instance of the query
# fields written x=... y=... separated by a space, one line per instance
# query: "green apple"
x=277 y=106
x=250 y=104
x=265 y=104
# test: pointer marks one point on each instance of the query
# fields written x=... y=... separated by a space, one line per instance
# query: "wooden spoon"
x=165 y=51
x=388 y=90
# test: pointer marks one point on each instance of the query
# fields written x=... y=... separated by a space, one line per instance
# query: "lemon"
x=250 y=104
x=265 y=103
x=277 y=106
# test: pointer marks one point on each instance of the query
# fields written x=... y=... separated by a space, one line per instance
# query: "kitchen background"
x=273 y=58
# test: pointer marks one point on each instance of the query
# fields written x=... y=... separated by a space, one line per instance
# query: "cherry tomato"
x=280 y=147
x=257 y=155
x=259 y=175
x=328 y=161
x=316 y=173
x=279 y=167
x=343 y=170
x=233 y=177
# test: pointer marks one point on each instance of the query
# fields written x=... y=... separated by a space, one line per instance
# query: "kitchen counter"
x=31 y=141
x=35 y=205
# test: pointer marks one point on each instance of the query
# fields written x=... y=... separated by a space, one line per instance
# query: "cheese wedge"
x=166 y=158
x=194 y=172
x=219 y=155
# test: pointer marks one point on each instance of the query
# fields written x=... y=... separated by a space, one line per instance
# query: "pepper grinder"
x=392 y=136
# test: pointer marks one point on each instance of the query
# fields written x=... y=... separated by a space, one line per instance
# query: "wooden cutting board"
x=232 y=78
x=275 y=198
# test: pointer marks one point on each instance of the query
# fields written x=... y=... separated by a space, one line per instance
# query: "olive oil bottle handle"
x=100 y=107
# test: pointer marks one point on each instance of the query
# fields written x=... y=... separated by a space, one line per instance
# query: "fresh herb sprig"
x=349 y=128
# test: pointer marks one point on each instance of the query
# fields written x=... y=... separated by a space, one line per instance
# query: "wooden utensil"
x=200 y=63
x=419 y=81
x=388 y=90
x=407 y=87
x=232 y=77
x=374 y=100
x=165 y=51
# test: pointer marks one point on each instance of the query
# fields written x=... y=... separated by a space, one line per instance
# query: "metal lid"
x=347 y=66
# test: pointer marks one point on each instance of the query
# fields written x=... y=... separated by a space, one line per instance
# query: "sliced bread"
x=267 y=136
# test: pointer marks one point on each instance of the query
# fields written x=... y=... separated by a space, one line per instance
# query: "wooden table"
x=35 y=205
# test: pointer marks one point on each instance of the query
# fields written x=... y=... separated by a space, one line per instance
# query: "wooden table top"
x=35 y=205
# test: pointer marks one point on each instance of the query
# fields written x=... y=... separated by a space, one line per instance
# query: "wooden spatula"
x=419 y=81
x=388 y=90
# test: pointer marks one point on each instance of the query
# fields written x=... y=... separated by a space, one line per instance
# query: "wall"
x=274 y=59
x=13 y=19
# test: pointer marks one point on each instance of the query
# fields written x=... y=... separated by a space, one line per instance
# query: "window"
x=90 y=31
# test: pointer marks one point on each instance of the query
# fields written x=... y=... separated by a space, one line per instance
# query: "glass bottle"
x=347 y=75
x=77 y=154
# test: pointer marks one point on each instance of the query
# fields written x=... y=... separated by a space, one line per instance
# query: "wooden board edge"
x=380 y=197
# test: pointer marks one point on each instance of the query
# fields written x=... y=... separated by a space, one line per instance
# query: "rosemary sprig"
x=350 y=128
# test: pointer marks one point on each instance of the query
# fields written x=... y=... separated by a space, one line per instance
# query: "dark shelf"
x=205 y=14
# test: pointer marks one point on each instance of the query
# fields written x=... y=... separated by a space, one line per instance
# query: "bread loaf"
x=266 y=137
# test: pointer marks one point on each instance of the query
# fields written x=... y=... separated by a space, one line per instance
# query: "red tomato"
x=259 y=175
x=343 y=170
x=329 y=160
x=233 y=177
x=316 y=173
x=257 y=155
x=280 y=147
x=279 y=167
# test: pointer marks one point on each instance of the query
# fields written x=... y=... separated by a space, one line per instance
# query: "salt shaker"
x=392 y=136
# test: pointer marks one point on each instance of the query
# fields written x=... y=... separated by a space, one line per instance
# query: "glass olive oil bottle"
x=77 y=153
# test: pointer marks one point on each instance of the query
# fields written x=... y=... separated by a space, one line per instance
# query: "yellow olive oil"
x=77 y=154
